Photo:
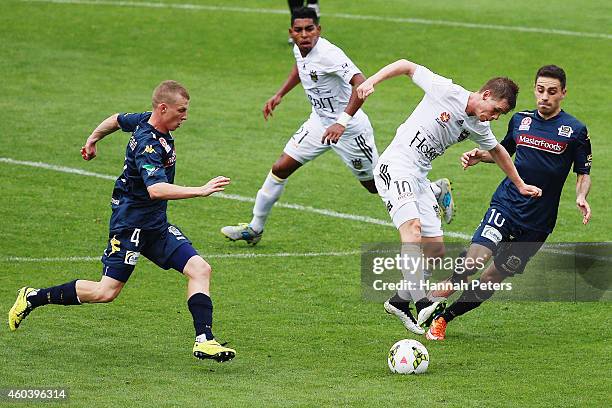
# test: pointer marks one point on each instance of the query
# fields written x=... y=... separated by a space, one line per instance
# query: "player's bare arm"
x=583 y=186
x=334 y=132
x=400 y=67
x=168 y=191
x=501 y=157
x=292 y=80
x=108 y=126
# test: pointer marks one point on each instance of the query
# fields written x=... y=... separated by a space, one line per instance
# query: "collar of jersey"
x=156 y=132
x=539 y=117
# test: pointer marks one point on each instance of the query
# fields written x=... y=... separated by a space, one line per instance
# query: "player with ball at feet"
x=446 y=115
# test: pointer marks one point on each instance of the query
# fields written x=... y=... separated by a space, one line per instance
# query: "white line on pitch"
x=336 y=15
x=305 y=208
x=209 y=256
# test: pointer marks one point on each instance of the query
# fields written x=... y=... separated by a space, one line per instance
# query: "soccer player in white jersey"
x=336 y=122
x=446 y=115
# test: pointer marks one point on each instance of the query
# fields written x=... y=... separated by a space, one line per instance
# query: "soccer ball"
x=408 y=357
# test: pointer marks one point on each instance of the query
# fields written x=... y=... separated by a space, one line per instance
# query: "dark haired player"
x=547 y=142
x=446 y=115
x=336 y=122
x=138 y=224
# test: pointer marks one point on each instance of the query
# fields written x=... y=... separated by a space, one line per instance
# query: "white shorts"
x=356 y=149
x=408 y=197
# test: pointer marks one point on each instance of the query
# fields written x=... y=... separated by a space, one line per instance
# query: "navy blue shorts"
x=512 y=244
x=167 y=248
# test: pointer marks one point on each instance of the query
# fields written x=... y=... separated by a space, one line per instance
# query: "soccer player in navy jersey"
x=138 y=223
x=547 y=142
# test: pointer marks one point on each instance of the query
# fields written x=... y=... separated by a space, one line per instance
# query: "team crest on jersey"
x=357 y=164
x=565 y=131
x=540 y=143
x=165 y=144
x=314 y=76
x=525 y=124
x=443 y=119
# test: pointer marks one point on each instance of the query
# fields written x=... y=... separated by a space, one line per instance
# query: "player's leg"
x=173 y=250
x=432 y=245
x=469 y=300
x=359 y=153
x=510 y=259
x=305 y=145
x=116 y=272
x=271 y=190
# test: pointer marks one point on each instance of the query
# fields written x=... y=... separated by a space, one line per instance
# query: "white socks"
x=412 y=272
x=268 y=194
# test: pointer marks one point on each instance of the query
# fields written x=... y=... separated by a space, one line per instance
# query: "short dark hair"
x=304 y=12
x=502 y=88
x=551 y=71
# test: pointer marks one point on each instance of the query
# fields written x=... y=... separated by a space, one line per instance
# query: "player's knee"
x=410 y=231
x=197 y=268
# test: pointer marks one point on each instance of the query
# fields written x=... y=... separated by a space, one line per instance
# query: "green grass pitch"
x=303 y=334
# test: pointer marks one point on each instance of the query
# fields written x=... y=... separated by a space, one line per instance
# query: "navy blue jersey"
x=545 y=152
x=149 y=159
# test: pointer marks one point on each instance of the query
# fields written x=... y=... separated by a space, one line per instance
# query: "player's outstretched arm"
x=108 y=126
x=167 y=191
x=583 y=186
x=400 y=67
x=292 y=80
x=334 y=132
x=501 y=157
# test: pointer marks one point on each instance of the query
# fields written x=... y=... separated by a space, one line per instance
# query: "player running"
x=446 y=115
x=138 y=224
x=328 y=77
x=547 y=142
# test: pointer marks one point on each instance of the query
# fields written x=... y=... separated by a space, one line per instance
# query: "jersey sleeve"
x=149 y=162
x=483 y=136
x=509 y=143
x=582 y=153
x=341 y=65
x=431 y=83
x=129 y=121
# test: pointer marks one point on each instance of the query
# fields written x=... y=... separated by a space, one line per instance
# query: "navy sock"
x=469 y=300
x=64 y=294
x=201 y=308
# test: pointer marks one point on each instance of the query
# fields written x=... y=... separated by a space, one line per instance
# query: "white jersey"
x=325 y=74
x=438 y=122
